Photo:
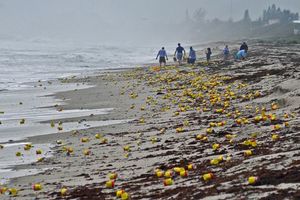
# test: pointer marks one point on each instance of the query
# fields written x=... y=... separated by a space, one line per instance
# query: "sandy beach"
x=224 y=130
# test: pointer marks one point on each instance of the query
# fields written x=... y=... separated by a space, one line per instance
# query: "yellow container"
x=207 y=177
x=125 y=196
x=215 y=146
x=84 y=139
x=209 y=130
x=275 y=137
x=168 y=182
x=168 y=174
x=179 y=129
x=178 y=169
x=113 y=176
x=159 y=174
x=18 y=154
x=3 y=190
x=37 y=187
x=63 y=191
x=110 y=184
x=38 y=151
x=248 y=153
x=119 y=193
x=183 y=173
x=86 y=152
x=277 y=127
x=252 y=179
x=214 y=162
x=104 y=140
x=127 y=148
x=190 y=166
x=13 y=192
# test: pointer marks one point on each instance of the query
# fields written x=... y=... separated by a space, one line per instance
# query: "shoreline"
x=14 y=167
x=135 y=175
x=44 y=139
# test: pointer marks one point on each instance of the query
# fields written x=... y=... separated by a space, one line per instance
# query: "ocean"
x=29 y=61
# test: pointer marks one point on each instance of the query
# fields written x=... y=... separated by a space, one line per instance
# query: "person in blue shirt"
x=241 y=54
x=226 y=52
x=192 y=56
x=179 y=53
x=162 y=54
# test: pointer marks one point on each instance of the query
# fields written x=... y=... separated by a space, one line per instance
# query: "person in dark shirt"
x=192 y=56
x=162 y=54
x=208 y=54
x=179 y=53
x=244 y=46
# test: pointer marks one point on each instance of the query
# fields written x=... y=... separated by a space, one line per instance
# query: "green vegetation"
x=274 y=22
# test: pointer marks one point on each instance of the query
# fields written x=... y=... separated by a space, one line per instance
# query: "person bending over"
x=241 y=54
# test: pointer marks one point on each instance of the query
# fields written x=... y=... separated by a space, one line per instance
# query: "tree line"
x=274 y=21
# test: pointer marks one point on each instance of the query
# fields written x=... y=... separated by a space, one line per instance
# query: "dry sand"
x=174 y=98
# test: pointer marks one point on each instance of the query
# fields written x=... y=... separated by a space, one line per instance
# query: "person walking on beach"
x=244 y=46
x=192 y=56
x=208 y=54
x=226 y=52
x=162 y=54
x=179 y=53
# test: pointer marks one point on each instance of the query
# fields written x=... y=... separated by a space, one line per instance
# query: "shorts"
x=191 y=60
x=162 y=60
x=179 y=56
x=226 y=56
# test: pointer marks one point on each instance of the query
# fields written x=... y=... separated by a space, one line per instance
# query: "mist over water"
x=118 y=22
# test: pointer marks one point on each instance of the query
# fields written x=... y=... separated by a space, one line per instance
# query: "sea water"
x=28 y=70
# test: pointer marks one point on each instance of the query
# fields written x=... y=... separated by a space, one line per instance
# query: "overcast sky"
x=115 y=18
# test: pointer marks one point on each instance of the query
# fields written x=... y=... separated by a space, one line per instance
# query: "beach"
x=212 y=126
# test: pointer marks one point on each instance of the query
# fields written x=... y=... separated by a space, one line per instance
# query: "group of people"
x=242 y=53
x=179 y=54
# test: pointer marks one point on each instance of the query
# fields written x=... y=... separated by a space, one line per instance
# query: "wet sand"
x=245 y=111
